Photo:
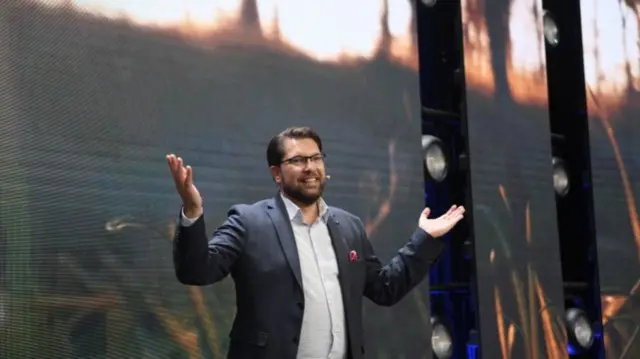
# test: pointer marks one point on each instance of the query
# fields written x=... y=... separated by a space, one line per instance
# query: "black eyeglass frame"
x=303 y=160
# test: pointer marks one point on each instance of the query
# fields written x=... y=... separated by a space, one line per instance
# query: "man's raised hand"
x=183 y=179
x=440 y=226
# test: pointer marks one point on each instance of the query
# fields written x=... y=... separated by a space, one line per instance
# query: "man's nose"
x=308 y=163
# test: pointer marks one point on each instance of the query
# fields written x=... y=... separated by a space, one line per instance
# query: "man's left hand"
x=437 y=227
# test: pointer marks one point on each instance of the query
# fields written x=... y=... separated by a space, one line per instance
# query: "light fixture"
x=435 y=160
x=550 y=29
x=441 y=341
x=579 y=330
x=560 y=177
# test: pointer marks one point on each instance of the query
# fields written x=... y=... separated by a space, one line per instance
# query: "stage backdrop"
x=610 y=34
x=517 y=252
x=95 y=93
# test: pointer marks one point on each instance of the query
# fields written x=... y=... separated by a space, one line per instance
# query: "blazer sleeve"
x=388 y=284
x=199 y=260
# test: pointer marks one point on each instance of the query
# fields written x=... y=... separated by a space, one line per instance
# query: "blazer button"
x=295 y=340
x=300 y=305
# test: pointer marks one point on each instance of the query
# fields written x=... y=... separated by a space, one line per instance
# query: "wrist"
x=192 y=211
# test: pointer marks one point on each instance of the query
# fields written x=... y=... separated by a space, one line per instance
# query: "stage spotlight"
x=560 y=177
x=579 y=330
x=441 y=341
x=550 y=29
x=435 y=160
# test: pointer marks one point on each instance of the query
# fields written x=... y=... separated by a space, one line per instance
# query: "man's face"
x=301 y=176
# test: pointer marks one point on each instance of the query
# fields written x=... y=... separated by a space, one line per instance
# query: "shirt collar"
x=293 y=210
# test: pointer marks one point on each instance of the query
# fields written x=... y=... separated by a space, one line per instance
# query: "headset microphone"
x=327 y=177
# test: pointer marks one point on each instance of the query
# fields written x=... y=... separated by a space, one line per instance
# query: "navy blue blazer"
x=256 y=245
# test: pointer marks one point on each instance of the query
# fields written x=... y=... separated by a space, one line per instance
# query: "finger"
x=451 y=210
x=448 y=213
x=426 y=212
x=177 y=172
x=180 y=167
x=457 y=218
x=189 y=180
x=171 y=160
x=453 y=218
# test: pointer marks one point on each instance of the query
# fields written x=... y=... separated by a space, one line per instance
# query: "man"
x=300 y=267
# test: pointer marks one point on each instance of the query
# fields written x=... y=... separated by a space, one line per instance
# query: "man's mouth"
x=310 y=180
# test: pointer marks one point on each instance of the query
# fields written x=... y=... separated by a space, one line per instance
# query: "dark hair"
x=275 y=149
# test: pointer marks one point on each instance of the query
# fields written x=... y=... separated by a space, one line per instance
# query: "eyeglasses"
x=301 y=161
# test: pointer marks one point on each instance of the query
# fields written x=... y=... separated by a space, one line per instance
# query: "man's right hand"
x=183 y=178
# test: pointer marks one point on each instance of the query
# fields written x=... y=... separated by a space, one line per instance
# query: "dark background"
x=615 y=149
x=517 y=254
x=91 y=106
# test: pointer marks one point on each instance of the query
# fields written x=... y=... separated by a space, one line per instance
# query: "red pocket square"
x=353 y=256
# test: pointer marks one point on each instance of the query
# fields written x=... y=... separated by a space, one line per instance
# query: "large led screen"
x=517 y=254
x=610 y=35
x=95 y=93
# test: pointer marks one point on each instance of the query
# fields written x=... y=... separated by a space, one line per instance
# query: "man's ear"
x=276 y=174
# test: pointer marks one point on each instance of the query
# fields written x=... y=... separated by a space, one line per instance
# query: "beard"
x=302 y=195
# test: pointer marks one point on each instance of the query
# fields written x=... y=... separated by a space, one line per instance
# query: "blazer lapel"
x=342 y=254
x=278 y=215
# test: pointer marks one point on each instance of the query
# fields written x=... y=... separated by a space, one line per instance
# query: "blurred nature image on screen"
x=517 y=250
x=95 y=93
x=610 y=36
